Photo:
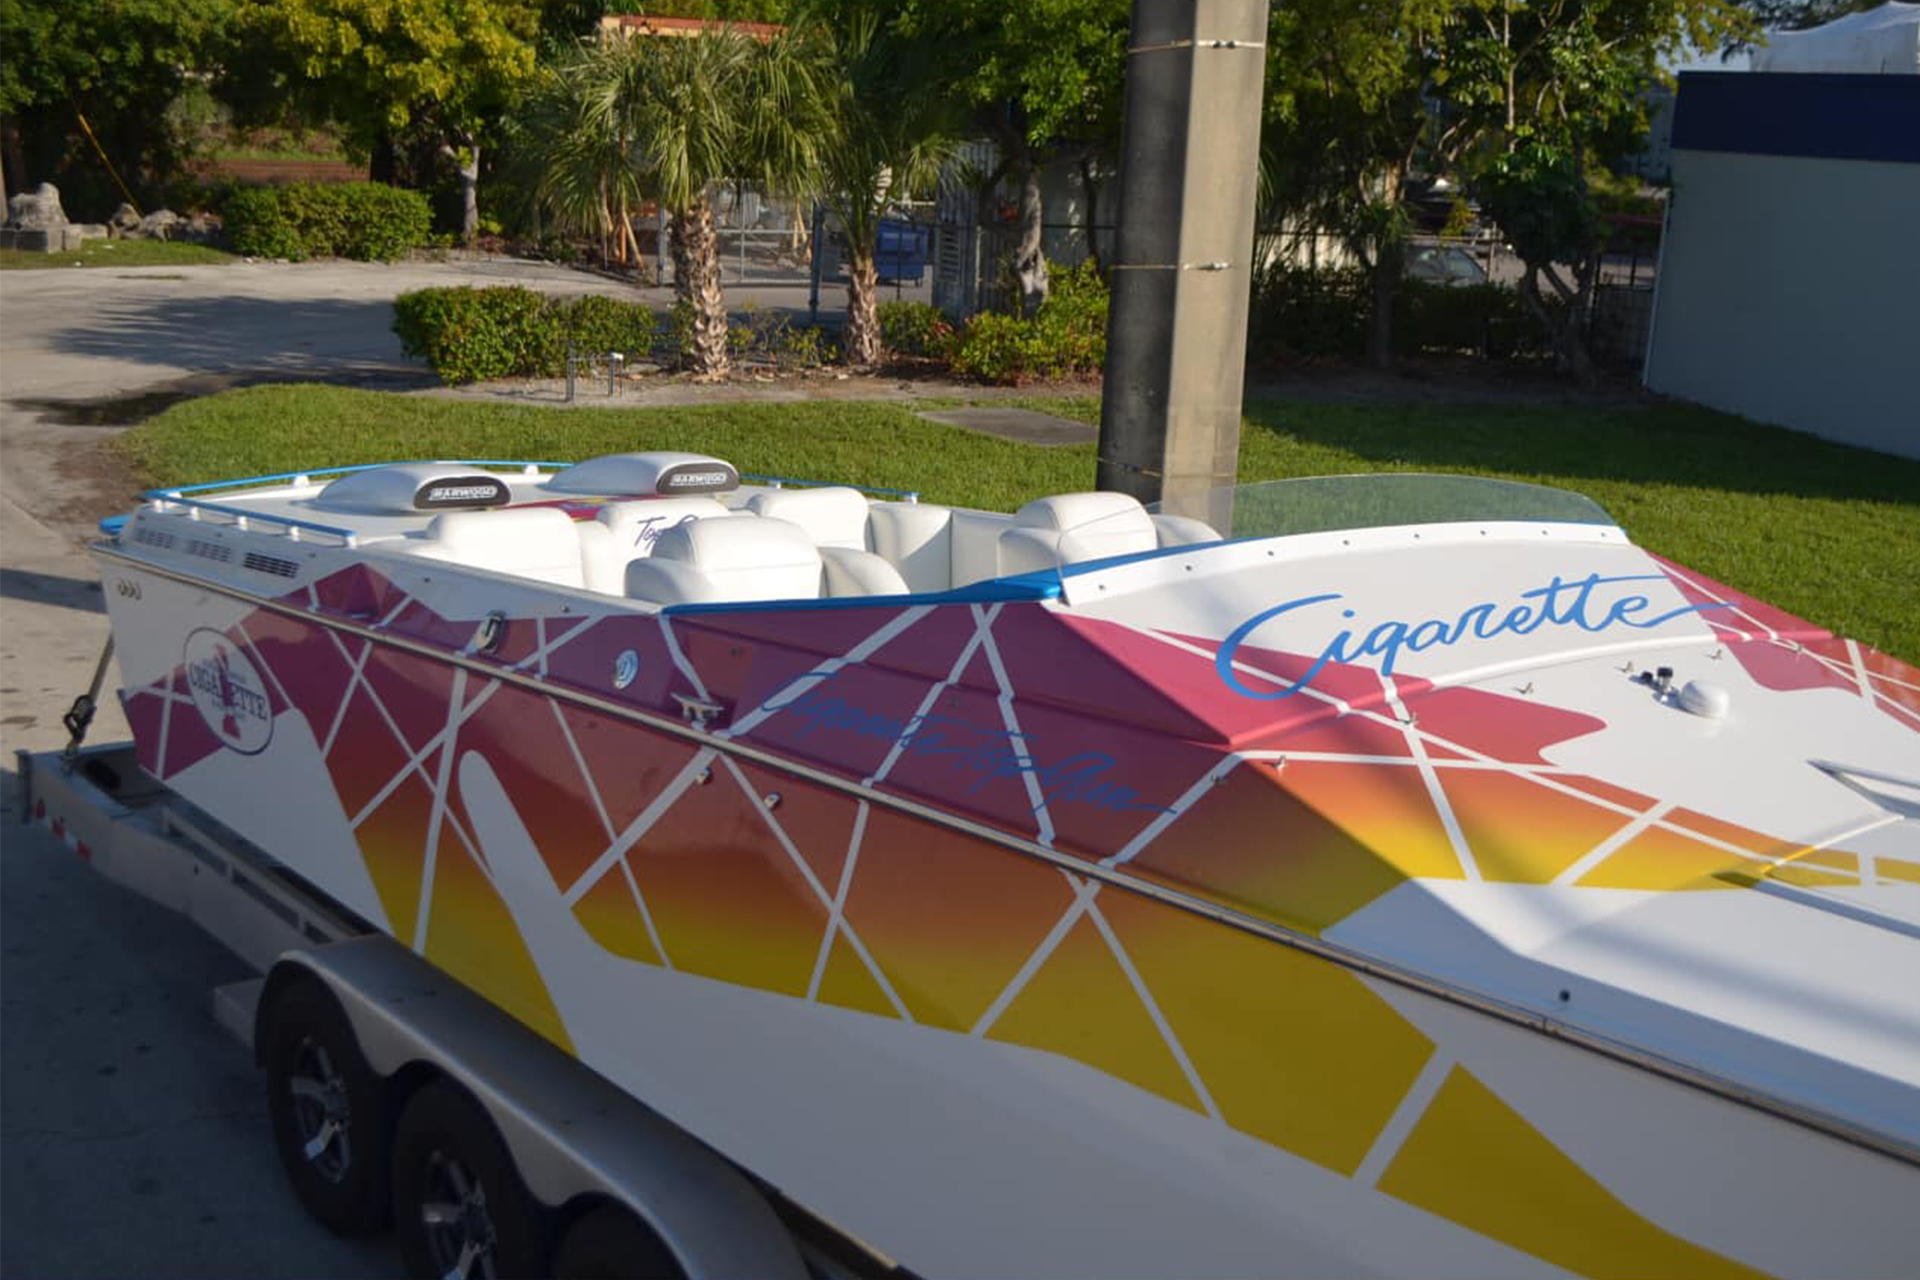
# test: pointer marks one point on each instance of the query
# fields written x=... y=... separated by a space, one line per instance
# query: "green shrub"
x=1066 y=338
x=470 y=335
x=258 y=224
x=361 y=220
x=914 y=329
x=597 y=324
x=1296 y=312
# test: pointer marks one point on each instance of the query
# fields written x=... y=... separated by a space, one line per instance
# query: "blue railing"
x=176 y=494
x=175 y=491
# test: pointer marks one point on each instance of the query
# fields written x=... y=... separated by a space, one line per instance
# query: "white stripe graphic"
x=1393 y=1135
x=430 y=862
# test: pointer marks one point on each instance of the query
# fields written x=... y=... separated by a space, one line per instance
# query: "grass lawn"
x=1829 y=532
x=117 y=253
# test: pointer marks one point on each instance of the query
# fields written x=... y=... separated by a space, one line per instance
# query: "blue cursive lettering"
x=1559 y=603
x=987 y=755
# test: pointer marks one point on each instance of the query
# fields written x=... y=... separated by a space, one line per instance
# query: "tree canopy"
x=121 y=63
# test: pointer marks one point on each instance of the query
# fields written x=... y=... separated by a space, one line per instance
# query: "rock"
x=77 y=233
x=125 y=220
x=158 y=225
x=37 y=210
x=200 y=228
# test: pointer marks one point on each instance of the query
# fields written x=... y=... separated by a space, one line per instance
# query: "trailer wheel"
x=327 y=1109
x=609 y=1243
x=458 y=1204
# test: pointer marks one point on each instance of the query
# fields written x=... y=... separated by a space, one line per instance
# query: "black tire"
x=609 y=1243
x=459 y=1206
x=327 y=1109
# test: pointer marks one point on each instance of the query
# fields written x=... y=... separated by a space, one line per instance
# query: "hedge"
x=1299 y=312
x=361 y=220
x=1067 y=337
x=471 y=335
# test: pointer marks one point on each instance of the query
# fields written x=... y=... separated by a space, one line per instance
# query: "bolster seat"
x=625 y=531
x=1069 y=528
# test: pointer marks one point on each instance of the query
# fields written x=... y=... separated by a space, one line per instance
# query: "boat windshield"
x=1321 y=504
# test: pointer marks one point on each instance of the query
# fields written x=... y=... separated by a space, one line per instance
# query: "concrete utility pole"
x=1177 y=330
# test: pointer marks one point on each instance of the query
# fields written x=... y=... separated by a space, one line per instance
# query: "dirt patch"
x=106 y=411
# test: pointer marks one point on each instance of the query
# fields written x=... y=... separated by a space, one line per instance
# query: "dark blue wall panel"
x=1835 y=117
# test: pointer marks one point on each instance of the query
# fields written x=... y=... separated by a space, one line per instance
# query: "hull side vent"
x=270 y=564
x=152 y=537
x=209 y=550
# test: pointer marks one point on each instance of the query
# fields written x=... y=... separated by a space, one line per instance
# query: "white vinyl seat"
x=916 y=538
x=739 y=558
x=1069 y=528
x=832 y=517
x=848 y=572
x=626 y=531
x=530 y=542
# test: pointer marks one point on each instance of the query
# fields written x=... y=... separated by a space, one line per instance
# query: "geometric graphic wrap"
x=1104 y=742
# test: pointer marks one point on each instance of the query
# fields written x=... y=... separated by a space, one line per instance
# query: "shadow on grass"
x=1655 y=444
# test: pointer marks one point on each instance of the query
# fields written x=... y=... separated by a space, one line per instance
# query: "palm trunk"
x=863 y=306
x=1387 y=265
x=1565 y=328
x=1030 y=263
x=469 y=162
x=1091 y=190
x=696 y=269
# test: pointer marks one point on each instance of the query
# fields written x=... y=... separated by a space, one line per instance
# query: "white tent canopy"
x=1884 y=41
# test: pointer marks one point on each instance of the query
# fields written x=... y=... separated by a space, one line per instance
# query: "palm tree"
x=578 y=171
x=892 y=129
x=693 y=113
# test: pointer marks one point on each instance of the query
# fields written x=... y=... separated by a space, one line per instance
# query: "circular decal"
x=228 y=692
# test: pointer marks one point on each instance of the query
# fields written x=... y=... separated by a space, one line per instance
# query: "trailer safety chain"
x=80 y=716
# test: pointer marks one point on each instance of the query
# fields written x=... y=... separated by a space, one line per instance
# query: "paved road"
x=131 y=1137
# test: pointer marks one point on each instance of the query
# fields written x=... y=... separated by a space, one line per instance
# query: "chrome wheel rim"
x=453 y=1213
x=321 y=1112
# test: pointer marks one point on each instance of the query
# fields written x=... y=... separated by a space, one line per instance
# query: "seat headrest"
x=746 y=557
x=640 y=523
x=498 y=530
x=833 y=517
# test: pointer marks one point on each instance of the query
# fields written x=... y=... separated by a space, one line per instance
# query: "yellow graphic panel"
x=1081 y=1004
x=729 y=901
x=611 y=914
x=1892 y=869
x=948 y=920
x=1294 y=1050
x=472 y=935
x=1522 y=831
x=1473 y=1160
x=848 y=983
x=1658 y=859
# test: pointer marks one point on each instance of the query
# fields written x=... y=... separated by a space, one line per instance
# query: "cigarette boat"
x=1395 y=874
